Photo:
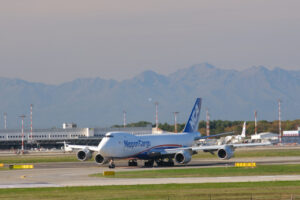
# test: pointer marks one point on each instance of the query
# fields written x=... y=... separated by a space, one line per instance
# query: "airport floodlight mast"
x=255 y=123
x=22 y=148
x=207 y=123
x=5 y=118
x=156 y=114
x=31 y=105
x=279 y=119
x=124 y=118
x=175 y=121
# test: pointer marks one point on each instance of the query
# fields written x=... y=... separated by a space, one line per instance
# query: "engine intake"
x=100 y=159
x=226 y=153
x=183 y=157
x=84 y=155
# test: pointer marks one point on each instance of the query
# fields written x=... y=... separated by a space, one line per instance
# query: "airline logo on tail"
x=192 y=124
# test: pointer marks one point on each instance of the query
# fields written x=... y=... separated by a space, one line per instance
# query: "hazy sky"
x=54 y=41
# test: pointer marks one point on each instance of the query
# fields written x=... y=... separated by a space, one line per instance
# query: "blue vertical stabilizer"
x=192 y=124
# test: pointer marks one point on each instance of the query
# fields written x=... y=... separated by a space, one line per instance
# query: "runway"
x=77 y=174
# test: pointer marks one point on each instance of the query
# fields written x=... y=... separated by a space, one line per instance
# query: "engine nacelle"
x=84 y=155
x=183 y=157
x=100 y=159
x=225 y=153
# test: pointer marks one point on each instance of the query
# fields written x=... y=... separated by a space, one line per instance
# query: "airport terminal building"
x=49 y=138
x=292 y=136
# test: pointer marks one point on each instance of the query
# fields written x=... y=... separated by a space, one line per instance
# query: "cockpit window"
x=109 y=136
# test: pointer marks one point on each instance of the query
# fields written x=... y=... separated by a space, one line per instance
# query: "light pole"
x=124 y=118
x=5 y=119
x=279 y=120
x=22 y=117
x=175 y=121
x=156 y=114
x=207 y=123
x=255 y=123
x=31 y=105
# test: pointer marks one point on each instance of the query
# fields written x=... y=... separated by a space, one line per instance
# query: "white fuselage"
x=126 y=145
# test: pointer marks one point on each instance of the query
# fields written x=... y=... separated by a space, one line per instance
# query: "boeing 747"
x=159 y=148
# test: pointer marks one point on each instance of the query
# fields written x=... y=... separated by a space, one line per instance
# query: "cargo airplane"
x=159 y=148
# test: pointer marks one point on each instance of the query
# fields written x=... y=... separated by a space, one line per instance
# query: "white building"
x=265 y=137
x=292 y=133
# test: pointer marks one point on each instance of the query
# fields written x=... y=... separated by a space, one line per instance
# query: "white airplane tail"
x=244 y=130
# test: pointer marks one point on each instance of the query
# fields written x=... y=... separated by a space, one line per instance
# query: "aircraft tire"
x=132 y=163
x=112 y=166
x=149 y=163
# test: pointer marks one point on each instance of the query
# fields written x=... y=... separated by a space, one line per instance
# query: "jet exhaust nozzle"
x=225 y=153
x=84 y=155
x=100 y=159
x=183 y=157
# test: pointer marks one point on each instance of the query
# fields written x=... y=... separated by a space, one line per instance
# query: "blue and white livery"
x=159 y=148
x=193 y=122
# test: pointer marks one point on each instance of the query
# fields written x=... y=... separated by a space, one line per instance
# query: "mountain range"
x=97 y=102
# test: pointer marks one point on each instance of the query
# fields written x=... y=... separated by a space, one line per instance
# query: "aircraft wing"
x=78 y=147
x=216 y=135
x=217 y=147
x=211 y=148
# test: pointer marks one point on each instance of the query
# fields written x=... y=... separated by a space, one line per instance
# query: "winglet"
x=193 y=122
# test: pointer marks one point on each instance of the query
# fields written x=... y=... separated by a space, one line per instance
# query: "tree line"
x=220 y=126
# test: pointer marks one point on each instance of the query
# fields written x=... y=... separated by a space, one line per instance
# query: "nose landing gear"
x=111 y=164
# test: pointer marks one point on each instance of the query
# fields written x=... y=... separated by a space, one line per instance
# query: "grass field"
x=251 y=190
x=37 y=159
x=209 y=172
x=29 y=158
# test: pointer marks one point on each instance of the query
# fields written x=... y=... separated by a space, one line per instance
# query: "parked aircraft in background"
x=232 y=139
x=158 y=148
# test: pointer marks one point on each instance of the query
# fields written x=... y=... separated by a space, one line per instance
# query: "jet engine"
x=100 y=159
x=225 y=153
x=183 y=157
x=84 y=155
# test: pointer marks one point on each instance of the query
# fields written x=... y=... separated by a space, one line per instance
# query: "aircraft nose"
x=104 y=151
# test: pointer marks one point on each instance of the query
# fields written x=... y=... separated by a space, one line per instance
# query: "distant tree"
x=136 y=124
x=219 y=126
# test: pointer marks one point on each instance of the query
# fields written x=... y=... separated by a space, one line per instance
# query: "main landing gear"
x=111 y=164
x=149 y=163
x=160 y=162
x=132 y=163
x=163 y=163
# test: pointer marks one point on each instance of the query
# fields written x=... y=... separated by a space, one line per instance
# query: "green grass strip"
x=37 y=159
x=247 y=190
